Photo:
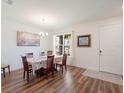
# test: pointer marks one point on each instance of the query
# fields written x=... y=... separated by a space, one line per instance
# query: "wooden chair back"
x=29 y=55
x=50 y=52
x=25 y=63
x=42 y=54
x=64 y=59
x=50 y=60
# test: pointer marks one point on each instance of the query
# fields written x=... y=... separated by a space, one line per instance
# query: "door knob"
x=100 y=51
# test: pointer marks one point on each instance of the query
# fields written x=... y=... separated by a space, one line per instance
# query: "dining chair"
x=49 y=52
x=49 y=67
x=42 y=53
x=29 y=55
x=27 y=69
x=62 y=63
x=3 y=67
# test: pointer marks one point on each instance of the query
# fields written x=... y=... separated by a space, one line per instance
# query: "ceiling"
x=59 y=14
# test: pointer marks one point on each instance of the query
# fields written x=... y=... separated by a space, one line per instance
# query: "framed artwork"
x=84 y=41
x=27 y=39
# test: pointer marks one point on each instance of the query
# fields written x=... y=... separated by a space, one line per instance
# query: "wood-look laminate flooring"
x=70 y=81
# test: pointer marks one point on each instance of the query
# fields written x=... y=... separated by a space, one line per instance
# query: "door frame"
x=99 y=47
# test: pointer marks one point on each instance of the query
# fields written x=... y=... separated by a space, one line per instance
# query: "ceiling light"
x=40 y=33
x=43 y=34
x=46 y=34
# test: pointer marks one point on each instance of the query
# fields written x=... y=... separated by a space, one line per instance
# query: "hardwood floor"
x=71 y=81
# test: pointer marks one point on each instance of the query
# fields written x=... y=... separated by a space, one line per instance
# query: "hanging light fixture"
x=46 y=34
x=43 y=33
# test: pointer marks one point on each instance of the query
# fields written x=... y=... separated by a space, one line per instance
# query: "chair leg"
x=9 y=69
x=24 y=75
x=62 y=68
x=47 y=75
x=28 y=76
x=53 y=72
x=56 y=66
x=4 y=72
x=32 y=73
x=65 y=67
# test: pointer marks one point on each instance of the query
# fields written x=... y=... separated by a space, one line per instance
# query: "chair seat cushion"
x=30 y=67
x=59 y=63
x=4 y=65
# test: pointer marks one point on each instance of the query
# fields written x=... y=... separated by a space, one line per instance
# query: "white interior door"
x=111 y=49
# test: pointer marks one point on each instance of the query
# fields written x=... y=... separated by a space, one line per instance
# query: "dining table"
x=41 y=61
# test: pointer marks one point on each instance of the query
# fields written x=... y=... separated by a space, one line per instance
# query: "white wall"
x=50 y=44
x=82 y=57
x=89 y=57
x=11 y=53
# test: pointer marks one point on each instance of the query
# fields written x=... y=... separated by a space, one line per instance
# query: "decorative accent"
x=84 y=41
x=43 y=34
x=27 y=39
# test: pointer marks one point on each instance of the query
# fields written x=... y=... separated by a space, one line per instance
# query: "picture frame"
x=27 y=39
x=84 y=41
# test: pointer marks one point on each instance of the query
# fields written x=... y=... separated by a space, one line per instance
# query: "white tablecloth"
x=41 y=62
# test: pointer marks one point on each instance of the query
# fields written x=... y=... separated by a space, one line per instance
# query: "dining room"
x=61 y=46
